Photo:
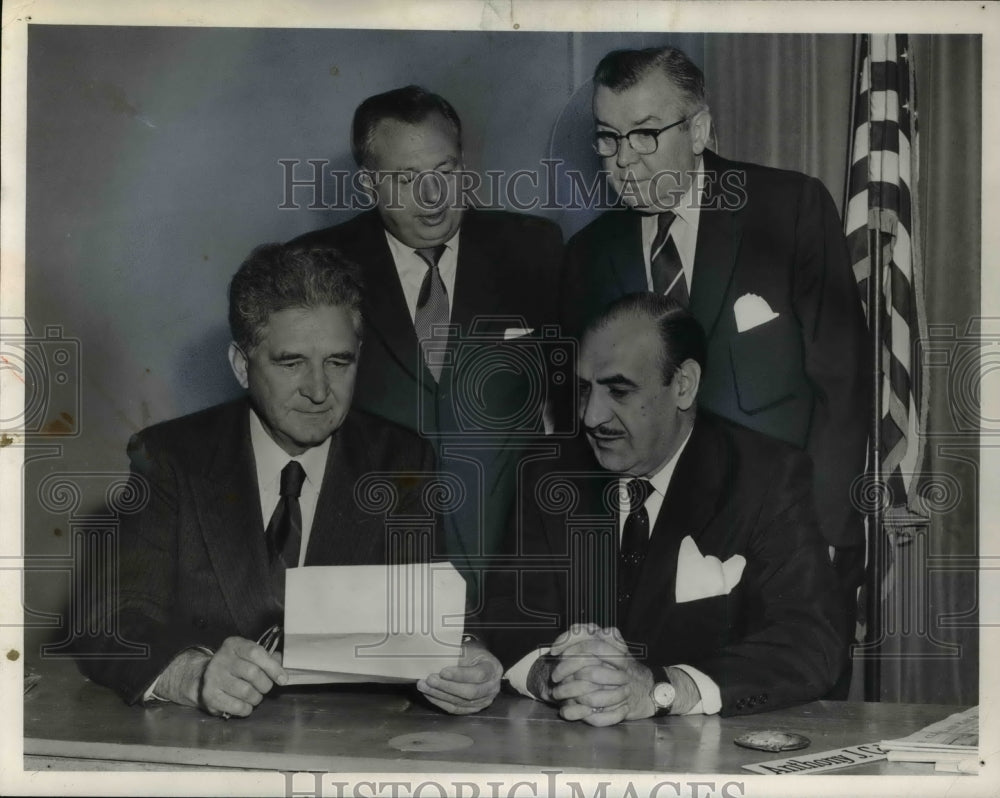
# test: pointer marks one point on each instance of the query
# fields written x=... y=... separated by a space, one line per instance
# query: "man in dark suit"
x=758 y=256
x=687 y=576
x=202 y=575
x=452 y=295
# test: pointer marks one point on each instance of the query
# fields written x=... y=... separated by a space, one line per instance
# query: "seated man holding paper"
x=242 y=491
x=687 y=576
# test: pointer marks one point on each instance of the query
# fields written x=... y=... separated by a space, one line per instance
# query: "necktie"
x=284 y=530
x=635 y=541
x=665 y=262
x=432 y=306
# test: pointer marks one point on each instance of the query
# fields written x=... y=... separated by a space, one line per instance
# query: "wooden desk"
x=73 y=724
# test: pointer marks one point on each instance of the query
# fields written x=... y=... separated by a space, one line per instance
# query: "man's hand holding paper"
x=467 y=687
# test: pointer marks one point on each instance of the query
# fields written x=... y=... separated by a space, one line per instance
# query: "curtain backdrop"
x=784 y=101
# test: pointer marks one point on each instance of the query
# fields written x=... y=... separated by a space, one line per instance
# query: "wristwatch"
x=663 y=694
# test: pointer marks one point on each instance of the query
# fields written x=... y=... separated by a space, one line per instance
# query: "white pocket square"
x=517 y=332
x=700 y=576
x=751 y=311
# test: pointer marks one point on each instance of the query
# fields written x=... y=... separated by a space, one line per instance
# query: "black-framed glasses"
x=643 y=140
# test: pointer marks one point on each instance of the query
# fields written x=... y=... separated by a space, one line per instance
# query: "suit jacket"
x=775 y=639
x=802 y=377
x=193 y=563
x=488 y=397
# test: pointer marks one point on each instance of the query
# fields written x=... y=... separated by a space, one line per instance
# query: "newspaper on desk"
x=951 y=744
x=372 y=623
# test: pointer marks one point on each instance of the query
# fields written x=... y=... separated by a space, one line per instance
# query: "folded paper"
x=372 y=623
x=517 y=332
x=703 y=576
x=751 y=311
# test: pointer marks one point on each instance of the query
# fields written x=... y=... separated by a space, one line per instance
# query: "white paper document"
x=952 y=744
x=372 y=623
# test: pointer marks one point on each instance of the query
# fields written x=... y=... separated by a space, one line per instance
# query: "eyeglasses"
x=642 y=140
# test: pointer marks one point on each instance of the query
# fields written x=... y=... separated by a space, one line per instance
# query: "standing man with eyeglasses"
x=756 y=254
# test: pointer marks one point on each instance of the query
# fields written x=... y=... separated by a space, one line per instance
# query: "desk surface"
x=68 y=720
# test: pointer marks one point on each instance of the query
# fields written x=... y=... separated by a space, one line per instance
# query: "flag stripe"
x=879 y=223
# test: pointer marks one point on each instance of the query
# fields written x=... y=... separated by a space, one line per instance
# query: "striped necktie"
x=665 y=262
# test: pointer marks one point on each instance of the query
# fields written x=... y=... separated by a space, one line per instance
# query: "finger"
x=218 y=702
x=237 y=688
x=599 y=647
x=595 y=671
x=442 y=698
x=453 y=709
x=268 y=663
x=613 y=636
x=572 y=689
x=462 y=690
x=586 y=653
x=576 y=633
x=248 y=672
x=586 y=656
x=469 y=674
x=236 y=652
x=605 y=699
x=609 y=718
x=568 y=667
x=574 y=711
x=593 y=695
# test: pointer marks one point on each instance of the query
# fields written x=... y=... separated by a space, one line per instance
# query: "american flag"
x=882 y=222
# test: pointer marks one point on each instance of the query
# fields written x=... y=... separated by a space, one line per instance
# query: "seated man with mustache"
x=671 y=562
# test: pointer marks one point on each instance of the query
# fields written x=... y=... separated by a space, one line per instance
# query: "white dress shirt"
x=271 y=459
x=711 y=698
x=411 y=269
x=684 y=230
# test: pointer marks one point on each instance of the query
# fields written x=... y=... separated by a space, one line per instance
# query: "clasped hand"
x=595 y=679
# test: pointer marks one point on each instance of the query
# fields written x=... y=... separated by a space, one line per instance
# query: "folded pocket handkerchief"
x=517 y=332
x=751 y=311
x=701 y=576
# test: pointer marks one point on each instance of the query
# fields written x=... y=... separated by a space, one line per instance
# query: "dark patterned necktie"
x=432 y=306
x=665 y=262
x=284 y=530
x=634 y=543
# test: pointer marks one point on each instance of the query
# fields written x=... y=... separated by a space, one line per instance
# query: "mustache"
x=603 y=431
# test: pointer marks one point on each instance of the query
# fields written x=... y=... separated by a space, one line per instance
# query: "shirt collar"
x=661 y=479
x=271 y=458
x=398 y=248
x=687 y=209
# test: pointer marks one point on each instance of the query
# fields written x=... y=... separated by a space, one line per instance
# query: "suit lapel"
x=719 y=234
x=628 y=262
x=694 y=498
x=227 y=501
x=336 y=535
x=386 y=313
x=476 y=276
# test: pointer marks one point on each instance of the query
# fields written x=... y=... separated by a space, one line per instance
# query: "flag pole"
x=876 y=554
x=876 y=518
